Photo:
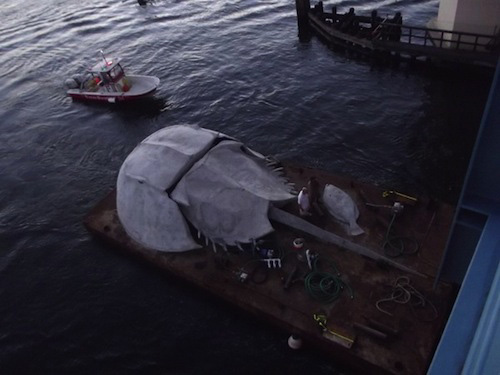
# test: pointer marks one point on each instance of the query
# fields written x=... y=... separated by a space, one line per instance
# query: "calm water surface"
x=68 y=305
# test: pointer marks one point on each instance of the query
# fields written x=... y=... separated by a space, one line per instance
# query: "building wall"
x=446 y=15
x=477 y=16
x=474 y=16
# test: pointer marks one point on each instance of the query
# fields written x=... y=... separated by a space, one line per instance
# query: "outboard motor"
x=74 y=82
x=71 y=83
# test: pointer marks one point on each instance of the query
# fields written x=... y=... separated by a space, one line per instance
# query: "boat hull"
x=143 y=87
x=108 y=98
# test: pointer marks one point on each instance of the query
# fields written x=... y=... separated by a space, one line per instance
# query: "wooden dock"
x=359 y=310
x=389 y=37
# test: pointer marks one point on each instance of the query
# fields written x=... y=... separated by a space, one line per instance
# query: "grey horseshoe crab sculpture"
x=186 y=174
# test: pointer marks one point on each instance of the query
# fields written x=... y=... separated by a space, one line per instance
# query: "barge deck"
x=380 y=320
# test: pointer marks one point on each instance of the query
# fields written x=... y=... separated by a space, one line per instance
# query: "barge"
x=365 y=306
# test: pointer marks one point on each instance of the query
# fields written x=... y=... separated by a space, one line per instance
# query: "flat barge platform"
x=385 y=316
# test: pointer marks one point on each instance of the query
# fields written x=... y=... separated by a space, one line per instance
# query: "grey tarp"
x=221 y=187
x=164 y=157
x=226 y=194
x=147 y=213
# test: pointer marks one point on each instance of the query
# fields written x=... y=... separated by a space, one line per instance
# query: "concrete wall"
x=446 y=15
x=473 y=16
x=477 y=16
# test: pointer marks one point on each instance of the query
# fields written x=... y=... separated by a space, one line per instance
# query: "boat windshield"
x=116 y=73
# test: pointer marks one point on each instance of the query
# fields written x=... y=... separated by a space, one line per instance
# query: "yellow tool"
x=386 y=193
x=332 y=335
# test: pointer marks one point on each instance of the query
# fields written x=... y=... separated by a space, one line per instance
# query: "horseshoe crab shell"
x=341 y=206
x=185 y=177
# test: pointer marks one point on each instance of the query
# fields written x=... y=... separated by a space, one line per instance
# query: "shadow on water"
x=147 y=108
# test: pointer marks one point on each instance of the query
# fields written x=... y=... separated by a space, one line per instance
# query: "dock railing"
x=375 y=33
x=447 y=39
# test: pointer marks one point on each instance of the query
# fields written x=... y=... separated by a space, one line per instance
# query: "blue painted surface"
x=484 y=354
x=470 y=343
x=457 y=338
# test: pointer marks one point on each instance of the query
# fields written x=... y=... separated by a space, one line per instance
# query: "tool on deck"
x=407 y=198
x=272 y=262
x=332 y=335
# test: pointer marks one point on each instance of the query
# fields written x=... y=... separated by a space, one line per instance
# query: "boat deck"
x=390 y=337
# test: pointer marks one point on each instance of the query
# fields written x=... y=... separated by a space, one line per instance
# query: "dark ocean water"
x=69 y=305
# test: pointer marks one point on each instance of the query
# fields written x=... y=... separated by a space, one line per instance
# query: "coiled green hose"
x=323 y=286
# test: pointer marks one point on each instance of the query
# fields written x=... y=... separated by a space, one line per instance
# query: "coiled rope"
x=395 y=246
x=403 y=293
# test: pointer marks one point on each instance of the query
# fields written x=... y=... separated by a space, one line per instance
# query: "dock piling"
x=303 y=7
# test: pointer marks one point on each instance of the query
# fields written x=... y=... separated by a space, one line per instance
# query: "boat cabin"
x=108 y=70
